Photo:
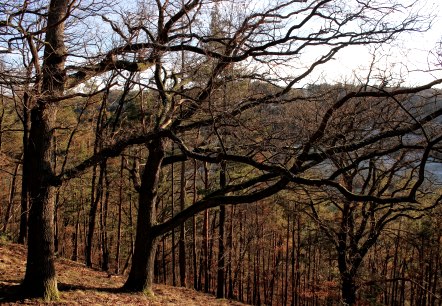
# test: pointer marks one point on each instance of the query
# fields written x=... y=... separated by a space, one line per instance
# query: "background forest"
x=190 y=143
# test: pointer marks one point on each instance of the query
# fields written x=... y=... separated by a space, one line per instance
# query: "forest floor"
x=79 y=285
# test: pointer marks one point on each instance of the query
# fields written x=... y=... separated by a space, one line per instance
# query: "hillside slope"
x=82 y=286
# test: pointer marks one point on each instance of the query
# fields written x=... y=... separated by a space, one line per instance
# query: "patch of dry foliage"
x=82 y=286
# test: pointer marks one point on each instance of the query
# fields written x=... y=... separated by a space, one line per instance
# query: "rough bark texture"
x=40 y=279
x=142 y=271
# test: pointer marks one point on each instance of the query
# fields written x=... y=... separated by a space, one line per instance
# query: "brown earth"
x=83 y=286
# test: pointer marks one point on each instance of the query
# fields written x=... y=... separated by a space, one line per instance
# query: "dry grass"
x=82 y=286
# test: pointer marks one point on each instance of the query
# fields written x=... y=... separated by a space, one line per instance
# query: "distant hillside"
x=82 y=286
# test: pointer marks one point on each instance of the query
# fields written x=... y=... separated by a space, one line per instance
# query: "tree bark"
x=120 y=208
x=348 y=289
x=230 y=293
x=96 y=196
x=142 y=271
x=172 y=200
x=221 y=252
x=105 y=252
x=96 y=189
x=25 y=173
x=10 y=198
x=75 y=235
x=196 y=280
x=206 y=236
x=182 y=241
x=40 y=278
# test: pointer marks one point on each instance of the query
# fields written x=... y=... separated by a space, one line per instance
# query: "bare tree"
x=393 y=169
x=267 y=41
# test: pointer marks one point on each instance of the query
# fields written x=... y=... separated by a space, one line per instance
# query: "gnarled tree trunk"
x=142 y=271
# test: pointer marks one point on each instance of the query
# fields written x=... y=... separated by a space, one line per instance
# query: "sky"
x=412 y=53
x=415 y=51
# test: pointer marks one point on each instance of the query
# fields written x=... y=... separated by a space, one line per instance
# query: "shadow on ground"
x=12 y=293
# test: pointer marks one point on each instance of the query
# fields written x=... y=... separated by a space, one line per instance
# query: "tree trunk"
x=75 y=236
x=206 y=236
x=196 y=281
x=96 y=189
x=10 y=199
x=221 y=254
x=103 y=224
x=40 y=278
x=56 y=227
x=131 y=236
x=120 y=207
x=25 y=173
x=141 y=274
x=182 y=241
x=96 y=196
x=287 y=248
x=57 y=195
x=142 y=271
x=221 y=251
x=172 y=199
x=230 y=293
x=348 y=289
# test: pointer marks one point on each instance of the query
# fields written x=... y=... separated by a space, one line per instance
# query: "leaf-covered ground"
x=82 y=286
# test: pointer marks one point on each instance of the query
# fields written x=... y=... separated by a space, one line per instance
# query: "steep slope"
x=82 y=286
